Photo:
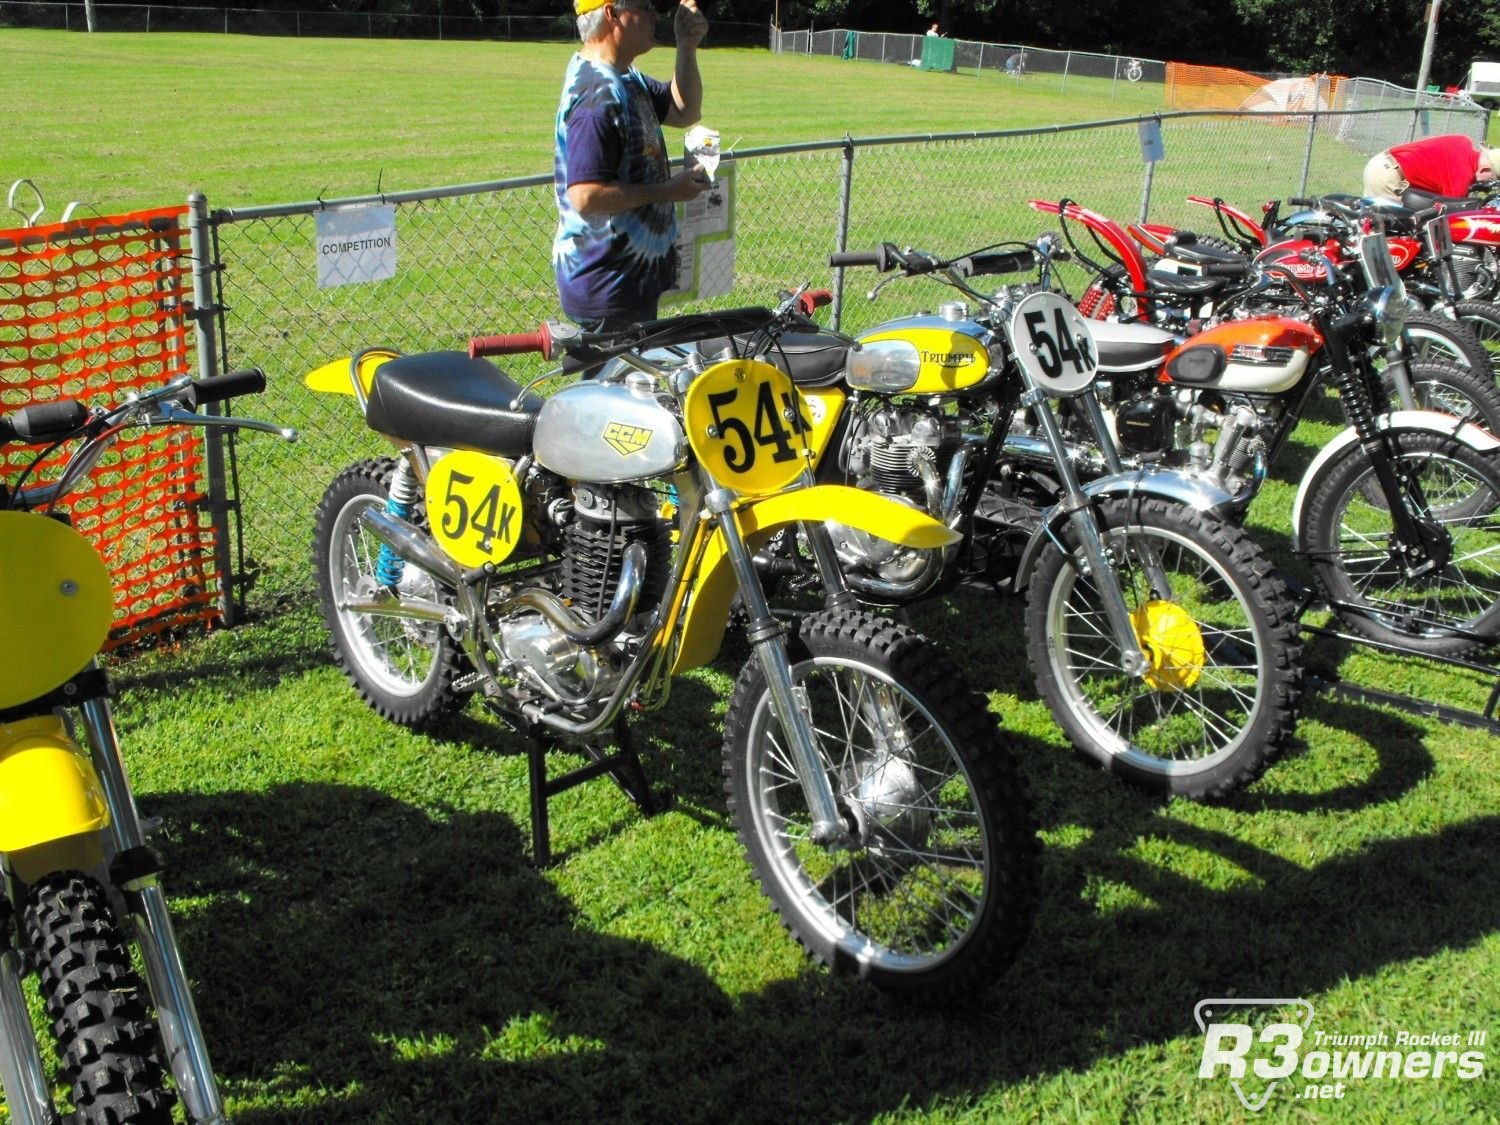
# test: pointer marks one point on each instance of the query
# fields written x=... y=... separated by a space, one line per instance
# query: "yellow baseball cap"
x=584 y=7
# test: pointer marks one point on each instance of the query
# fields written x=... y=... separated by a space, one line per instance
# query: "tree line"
x=1373 y=38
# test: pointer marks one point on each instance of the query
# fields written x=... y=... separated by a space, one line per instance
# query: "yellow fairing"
x=821 y=407
x=337 y=377
x=707 y=611
x=56 y=609
x=48 y=788
x=949 y=360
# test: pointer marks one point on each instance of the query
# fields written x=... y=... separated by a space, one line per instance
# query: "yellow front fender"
x=48 y=787
x=339 y=376
x=707 y=613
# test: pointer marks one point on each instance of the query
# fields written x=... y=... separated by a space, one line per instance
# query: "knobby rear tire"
x=405 y=670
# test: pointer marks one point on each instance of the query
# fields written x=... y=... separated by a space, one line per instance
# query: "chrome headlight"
x=888 y=366
x=1388 y=306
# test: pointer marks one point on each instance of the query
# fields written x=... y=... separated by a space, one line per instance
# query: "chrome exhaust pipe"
x=413 y=545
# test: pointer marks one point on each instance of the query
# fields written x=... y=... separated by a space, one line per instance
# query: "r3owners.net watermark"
x=1262 y=1046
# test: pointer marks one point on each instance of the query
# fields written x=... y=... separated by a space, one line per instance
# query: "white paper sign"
x=357 y=244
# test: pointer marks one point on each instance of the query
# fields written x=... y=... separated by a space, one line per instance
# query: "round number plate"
x=1052 y=341
x=474 y=507
x=748 y=426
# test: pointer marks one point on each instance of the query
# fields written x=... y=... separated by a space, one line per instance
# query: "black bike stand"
x=1485 y=720
x=623 y=765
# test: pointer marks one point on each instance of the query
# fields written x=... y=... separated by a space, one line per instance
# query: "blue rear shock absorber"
x=389 y=567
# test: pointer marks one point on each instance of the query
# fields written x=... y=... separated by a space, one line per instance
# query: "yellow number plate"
x=748 y=426
x=474 y=507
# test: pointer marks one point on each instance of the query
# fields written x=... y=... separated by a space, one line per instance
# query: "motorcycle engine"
x=895 y=451
x=1145 y=424
x=1478 y=272
x=597 y=528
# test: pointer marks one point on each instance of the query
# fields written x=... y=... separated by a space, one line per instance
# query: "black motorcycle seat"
x=448 y=399
x=812 y=359
x=1196 y=253
x=1182 y=284
x=1129 y=347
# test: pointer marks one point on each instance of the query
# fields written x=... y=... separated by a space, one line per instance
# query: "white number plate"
x=1054 y=345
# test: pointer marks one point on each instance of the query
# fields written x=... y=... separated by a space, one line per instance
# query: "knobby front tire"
x=404 y=669
x=1220 y=700
x=937 y=895
x=101 y=1022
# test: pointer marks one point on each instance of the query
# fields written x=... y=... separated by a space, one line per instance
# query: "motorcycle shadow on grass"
x=362 y=959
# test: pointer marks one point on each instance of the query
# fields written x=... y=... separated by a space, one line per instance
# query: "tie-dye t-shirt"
x=609 y=130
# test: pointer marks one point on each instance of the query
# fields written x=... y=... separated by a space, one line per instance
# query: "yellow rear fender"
x=707 y=612
x=48 y=788
x=341 y=376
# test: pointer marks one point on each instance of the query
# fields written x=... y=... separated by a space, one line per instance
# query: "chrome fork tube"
x=769 y=639
x=177 y=1017
x=21 y=1069
x=1076 y=504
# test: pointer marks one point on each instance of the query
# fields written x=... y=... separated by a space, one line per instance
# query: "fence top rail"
x=418 y=195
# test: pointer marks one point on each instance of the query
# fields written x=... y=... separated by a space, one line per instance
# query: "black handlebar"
x=915 y=262
x=250 y=381
x=43 y=421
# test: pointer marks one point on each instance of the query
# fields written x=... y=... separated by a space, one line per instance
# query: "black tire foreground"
x=108 y=1044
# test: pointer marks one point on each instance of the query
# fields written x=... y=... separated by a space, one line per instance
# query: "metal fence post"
x=205 y=323
x=1312 y=129
x=846 y=192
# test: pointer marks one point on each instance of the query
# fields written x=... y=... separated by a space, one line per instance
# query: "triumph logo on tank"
x=626 y=440
x=948 y=359
x=1262 y=1044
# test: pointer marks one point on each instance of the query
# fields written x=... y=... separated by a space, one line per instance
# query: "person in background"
x=933 y=30
x=616 y=226
x=1445 y=166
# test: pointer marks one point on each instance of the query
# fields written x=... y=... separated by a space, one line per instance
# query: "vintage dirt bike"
x=82 y=882
x=1436 y=274
x=564 y=557
x=1398 y=516
x=1158 y=635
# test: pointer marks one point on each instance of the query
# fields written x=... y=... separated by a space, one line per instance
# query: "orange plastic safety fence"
x=93 y=309
x=1221 y=87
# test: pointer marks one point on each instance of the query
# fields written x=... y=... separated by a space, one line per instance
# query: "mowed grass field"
x=366 y=937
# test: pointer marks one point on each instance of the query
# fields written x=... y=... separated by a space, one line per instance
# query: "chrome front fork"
x=768 y=637
x=177 y=1017
x=21 y=1069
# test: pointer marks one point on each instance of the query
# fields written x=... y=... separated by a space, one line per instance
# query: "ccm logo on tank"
x=626 y=440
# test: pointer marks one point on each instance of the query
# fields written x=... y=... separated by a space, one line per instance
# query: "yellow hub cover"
x=1172 y=642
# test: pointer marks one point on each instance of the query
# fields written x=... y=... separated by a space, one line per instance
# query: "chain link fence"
x=476 y=259
x=1014 y=59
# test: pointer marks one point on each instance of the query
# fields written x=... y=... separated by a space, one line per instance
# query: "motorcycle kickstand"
x=623 y=766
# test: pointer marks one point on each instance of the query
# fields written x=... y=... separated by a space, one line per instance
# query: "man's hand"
x=689 y=25
x=688 y=185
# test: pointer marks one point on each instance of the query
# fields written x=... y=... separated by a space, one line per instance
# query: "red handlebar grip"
x=513 y=343
x=814 y=299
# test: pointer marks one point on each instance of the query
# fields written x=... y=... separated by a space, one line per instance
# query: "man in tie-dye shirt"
x=615 y=192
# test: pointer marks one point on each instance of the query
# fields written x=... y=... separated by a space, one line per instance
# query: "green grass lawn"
x=366 y=939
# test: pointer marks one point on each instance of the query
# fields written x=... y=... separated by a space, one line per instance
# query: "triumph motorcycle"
x=1398 y=516
x=82 y=881
x=563 y=558
x=1158 y=634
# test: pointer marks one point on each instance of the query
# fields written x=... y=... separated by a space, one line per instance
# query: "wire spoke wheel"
x=1217 y=700
x=936 y=892
x=1445 y=608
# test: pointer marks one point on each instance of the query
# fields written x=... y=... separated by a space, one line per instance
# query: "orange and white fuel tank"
x=1262 y=355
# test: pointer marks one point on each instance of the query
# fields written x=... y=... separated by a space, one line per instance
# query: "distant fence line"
x=53 y=15
x=1013 y=58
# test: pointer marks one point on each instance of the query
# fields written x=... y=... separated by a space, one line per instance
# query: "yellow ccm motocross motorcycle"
x=1158 y=633
x=564 y=558
x=81 y=878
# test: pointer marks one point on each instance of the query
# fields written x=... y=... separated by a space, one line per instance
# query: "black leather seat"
x=446 y=398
